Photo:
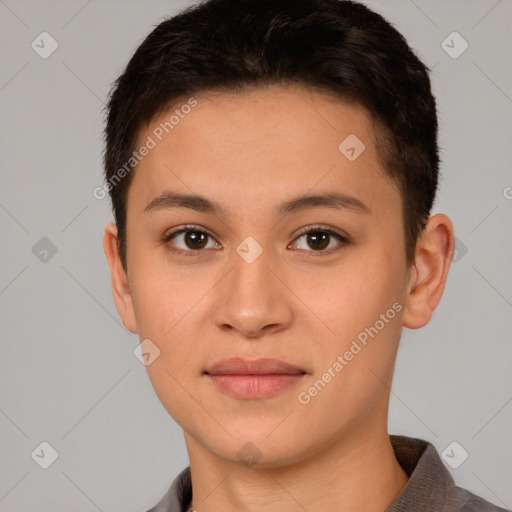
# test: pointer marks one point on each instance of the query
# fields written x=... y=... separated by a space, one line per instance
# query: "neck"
x=360 y=472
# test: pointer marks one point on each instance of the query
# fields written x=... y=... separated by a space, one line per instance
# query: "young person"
x=272 y=167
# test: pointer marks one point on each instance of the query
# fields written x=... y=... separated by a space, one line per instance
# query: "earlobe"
x=434 y=253
x=118 y=278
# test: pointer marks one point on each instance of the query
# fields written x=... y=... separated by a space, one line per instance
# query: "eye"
x=319 y=239
x=192 y=239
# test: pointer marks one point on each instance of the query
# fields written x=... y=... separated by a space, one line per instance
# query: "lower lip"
x=255 y=386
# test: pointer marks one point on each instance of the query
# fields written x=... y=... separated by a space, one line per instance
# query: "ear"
x=434 y=253
x=119 y=278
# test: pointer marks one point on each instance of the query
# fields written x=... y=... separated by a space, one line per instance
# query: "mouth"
x=254 y=379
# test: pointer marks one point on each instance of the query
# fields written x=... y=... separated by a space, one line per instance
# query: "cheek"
x=163 y=294
x=360 y=303
x=353 y=366
x=168 y=306
x=350 y=297
x=174 y=389
x=172 y=308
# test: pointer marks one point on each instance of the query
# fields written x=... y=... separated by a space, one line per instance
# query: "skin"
x=249 y=152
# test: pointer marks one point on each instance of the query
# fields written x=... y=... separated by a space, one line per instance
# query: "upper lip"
x=264 y=366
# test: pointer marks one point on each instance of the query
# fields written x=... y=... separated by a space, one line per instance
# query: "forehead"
x=261 y=144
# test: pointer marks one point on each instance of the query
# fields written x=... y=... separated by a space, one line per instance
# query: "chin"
x=260 y=452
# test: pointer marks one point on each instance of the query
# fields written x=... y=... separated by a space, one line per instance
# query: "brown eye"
x=190 y=241
x=195 y=239
x=319 y=240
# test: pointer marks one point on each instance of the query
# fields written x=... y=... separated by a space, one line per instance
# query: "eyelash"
x=314 y=229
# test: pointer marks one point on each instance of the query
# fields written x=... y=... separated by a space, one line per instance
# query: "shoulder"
x=463 y=500
x=178 y=494
x=431 y=487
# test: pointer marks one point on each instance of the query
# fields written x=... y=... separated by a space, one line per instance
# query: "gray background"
x=68 y=374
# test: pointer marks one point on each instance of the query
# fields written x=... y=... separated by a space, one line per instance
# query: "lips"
x=264 y=366
x=256 y=379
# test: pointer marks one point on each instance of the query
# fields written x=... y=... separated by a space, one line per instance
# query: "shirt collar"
x=429 y=483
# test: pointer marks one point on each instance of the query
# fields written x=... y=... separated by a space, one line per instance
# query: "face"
x=254 y=269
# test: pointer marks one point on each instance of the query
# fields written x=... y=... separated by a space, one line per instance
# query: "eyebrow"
x=337 y=200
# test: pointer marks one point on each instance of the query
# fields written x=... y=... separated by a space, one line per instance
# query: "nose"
x=251 y=300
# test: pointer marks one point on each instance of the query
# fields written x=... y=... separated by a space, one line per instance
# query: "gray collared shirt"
x=430 y=488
